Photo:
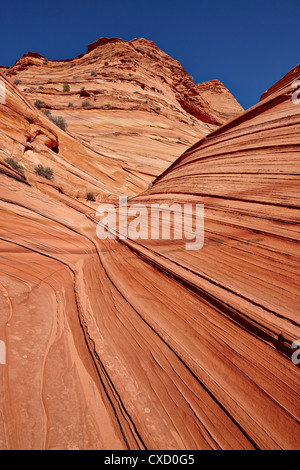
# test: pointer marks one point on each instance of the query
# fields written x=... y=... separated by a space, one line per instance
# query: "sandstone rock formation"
x=220 y=100
x=134 y=344
x=133 y=108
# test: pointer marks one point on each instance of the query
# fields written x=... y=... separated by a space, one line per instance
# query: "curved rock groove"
x=142 y=344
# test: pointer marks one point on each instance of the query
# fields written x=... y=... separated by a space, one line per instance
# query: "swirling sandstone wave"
x=134 y=344
x=131 y=106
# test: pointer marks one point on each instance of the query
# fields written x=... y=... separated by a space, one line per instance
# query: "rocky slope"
x=133 y=108
x=134 y=344
x=238 y=313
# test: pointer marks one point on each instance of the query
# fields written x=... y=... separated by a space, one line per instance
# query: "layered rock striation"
x=142 y=344
x=132 y=107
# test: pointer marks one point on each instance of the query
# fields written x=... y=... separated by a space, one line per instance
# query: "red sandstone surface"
x=141 y=344
x=143 y=110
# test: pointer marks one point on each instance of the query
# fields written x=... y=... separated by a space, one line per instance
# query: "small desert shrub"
x=40 y=87
x=66 y=87
x=72 y=65
x=14 y=164
x=59 y=121
x=85 y=104
x=94 y=74
x=17 y=81
x=90 y=196
x=45 y=62
x=46 y=172
x=70 y=105
x=38 y=104
x=157 y=109
x=46 y=111
x=191 y=77
x=82 y=88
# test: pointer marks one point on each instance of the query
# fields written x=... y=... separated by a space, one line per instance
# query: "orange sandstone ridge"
x=132 y=107
x=140 y=344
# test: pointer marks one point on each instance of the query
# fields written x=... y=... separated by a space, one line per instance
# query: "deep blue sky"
x=247 y=44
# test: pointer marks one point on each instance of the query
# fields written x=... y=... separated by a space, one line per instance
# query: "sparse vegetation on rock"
x=59 y=121
x=14 y=164
x=66 y=87
x=90 y=196
x=38 y=104
x=45 y=172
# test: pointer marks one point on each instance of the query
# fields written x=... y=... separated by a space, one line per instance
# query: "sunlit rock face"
x=143 y=344
x=133 y=108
